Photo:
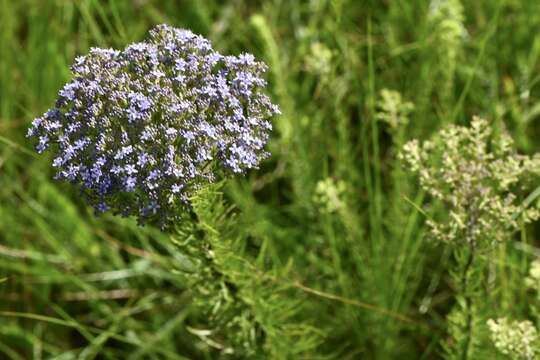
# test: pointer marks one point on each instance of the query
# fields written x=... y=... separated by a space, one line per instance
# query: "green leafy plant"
x=475 y=175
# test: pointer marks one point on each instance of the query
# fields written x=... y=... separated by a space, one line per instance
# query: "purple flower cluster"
x=141 y=129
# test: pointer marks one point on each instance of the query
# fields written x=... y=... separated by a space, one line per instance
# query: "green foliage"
x=245 y=310
x=322 y=253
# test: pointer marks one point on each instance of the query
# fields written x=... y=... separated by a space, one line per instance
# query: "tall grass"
x=361 y=281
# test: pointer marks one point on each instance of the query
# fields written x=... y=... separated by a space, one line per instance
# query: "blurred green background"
x=331 y=206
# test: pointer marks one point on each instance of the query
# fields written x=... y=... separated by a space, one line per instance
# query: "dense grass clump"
x=386 y=224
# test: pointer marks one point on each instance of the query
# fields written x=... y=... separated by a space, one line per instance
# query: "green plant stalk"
x=468 y=277
x=468 y=302
x=462 y=319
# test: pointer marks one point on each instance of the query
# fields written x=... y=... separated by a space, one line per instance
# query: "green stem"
x=468 y=302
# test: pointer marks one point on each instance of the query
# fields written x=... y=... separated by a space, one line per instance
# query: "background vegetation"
x=323 y=253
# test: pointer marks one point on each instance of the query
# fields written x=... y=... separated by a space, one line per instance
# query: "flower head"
x=476 y=173
x=141 y=129
x=393 y=109
x=518 y=339
x=329 y=195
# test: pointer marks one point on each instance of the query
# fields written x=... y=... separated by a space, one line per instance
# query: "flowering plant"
x=142 y=129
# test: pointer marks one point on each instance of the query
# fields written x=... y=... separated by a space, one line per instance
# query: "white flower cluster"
x=447 y=17
x=533 y=279
x=319 y=61
x=329 y=195
x=393 y=109
x=447 y=33
x=517 y=339
x=474 y=173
